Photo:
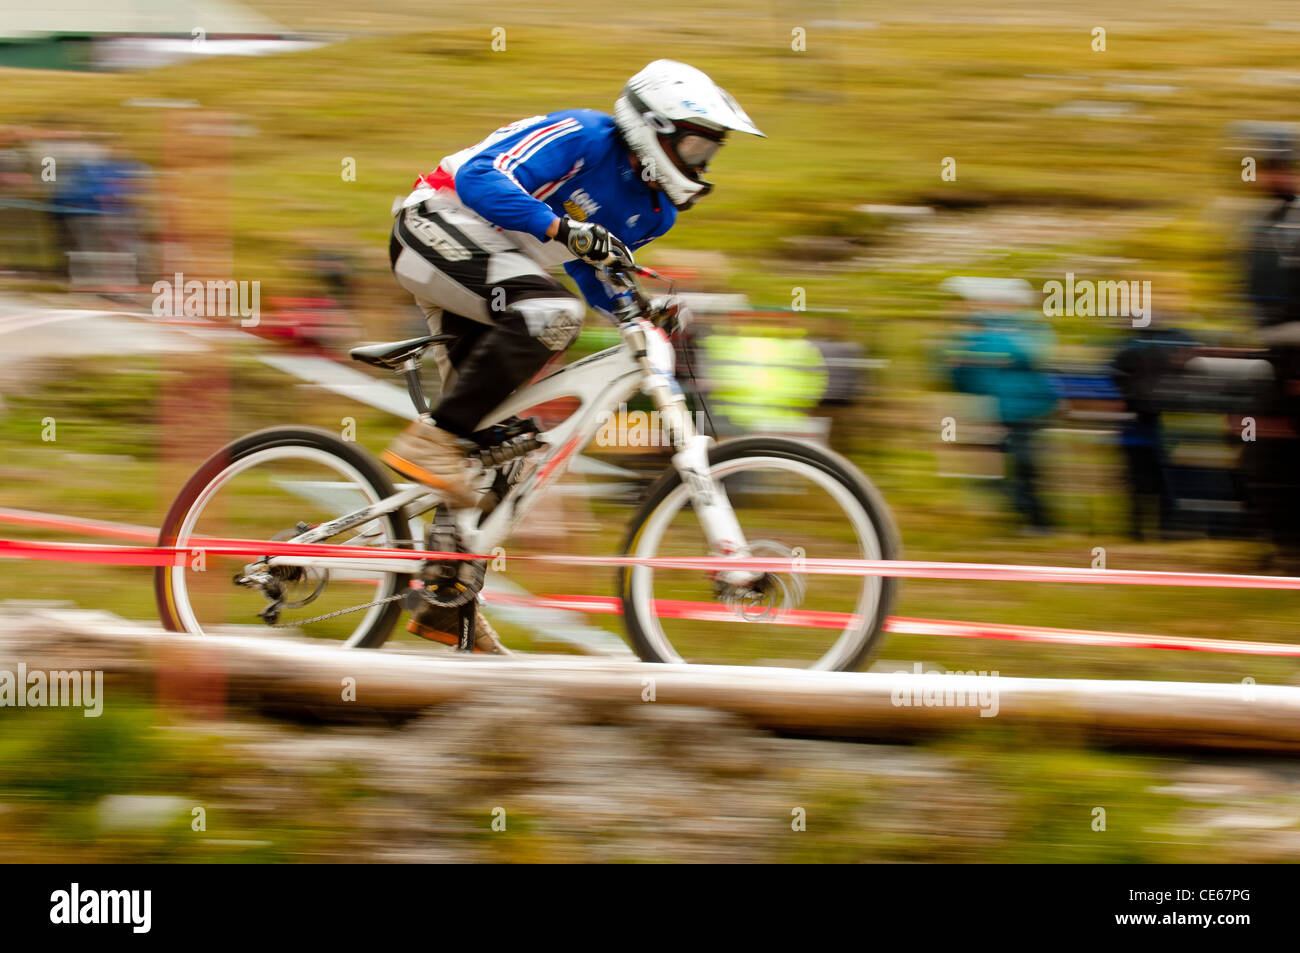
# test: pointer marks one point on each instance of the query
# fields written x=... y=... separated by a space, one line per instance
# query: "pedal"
x=449 y=582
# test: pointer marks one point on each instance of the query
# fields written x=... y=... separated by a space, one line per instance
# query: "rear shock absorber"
x=506 y=441
x=502 y=448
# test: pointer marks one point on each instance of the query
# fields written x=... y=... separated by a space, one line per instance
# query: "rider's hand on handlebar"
x=591 y=242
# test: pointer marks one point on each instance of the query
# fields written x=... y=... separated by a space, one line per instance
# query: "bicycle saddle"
x=396 y=353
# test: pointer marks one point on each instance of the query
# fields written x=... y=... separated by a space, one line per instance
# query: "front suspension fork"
x=708 y=496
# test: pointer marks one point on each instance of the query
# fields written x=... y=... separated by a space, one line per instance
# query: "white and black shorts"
x=472 y=280
x=446 y=255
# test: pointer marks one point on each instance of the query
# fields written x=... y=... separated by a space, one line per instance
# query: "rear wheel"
x=792 y=499
x=273 y=485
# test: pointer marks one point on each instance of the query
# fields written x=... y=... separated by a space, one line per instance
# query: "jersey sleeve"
x=502 y=184
x=596 y=292
x=592 y=288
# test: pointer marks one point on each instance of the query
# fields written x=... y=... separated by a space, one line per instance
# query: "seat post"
x=410 y=370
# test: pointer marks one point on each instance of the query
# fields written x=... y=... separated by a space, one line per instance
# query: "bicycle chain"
x=338 y=612
x=474 y=565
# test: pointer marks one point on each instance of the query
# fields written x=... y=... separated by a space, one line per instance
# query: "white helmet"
x=675 y=119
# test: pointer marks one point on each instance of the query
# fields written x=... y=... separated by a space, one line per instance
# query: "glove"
x=670 y=314
x=591 y=242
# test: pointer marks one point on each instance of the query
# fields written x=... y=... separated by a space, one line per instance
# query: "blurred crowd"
x=70 y=204
x=75 y=207
x=1208 y=430
x=1204 y=429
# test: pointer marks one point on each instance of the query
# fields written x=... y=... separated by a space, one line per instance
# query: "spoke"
x=268 y=494
x=784 y=507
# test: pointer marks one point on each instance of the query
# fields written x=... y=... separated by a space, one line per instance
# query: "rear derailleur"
x=283 y=587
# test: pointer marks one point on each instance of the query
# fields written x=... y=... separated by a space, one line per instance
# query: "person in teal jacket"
x=1001 y=356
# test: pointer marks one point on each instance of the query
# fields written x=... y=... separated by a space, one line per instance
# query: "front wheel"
x=273 y=485
x=793 y=499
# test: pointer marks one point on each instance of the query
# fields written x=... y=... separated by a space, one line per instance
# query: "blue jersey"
x=571 y=162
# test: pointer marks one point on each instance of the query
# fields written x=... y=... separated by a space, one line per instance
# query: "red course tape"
x=711 y=612
x=251 y=548
x=234 y=548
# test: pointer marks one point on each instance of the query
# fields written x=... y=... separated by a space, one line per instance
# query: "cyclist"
x=475 y=239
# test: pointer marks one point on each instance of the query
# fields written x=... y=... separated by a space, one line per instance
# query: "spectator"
x=1273 y=287
x=1000 y=354
x=18 y=208
x=1138 y=368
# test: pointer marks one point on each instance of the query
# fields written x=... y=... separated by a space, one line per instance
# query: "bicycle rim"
x=681 y=618
x=208 y=598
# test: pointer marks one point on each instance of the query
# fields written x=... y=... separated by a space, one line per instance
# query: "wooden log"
x=318 y=677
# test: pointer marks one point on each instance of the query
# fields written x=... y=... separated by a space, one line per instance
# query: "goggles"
x=694 y=150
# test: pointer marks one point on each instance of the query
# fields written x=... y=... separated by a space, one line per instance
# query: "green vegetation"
x=863 y=116
x=58 y=767
x=124 y=787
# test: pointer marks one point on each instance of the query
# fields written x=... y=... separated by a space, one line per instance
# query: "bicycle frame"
x=600 y=383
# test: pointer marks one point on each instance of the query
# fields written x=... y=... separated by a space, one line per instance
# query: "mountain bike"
x=753 y=496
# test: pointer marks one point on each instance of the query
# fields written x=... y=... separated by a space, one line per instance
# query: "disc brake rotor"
x=771 y=593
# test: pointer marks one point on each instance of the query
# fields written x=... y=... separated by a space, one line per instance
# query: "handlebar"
x=624 y=275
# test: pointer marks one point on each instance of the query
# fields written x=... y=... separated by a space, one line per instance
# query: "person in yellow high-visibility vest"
x=760 y=382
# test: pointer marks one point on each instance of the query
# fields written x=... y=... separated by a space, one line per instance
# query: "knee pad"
x=555 y=322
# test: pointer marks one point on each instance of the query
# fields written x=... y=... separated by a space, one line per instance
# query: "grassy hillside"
x=1047 y=181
